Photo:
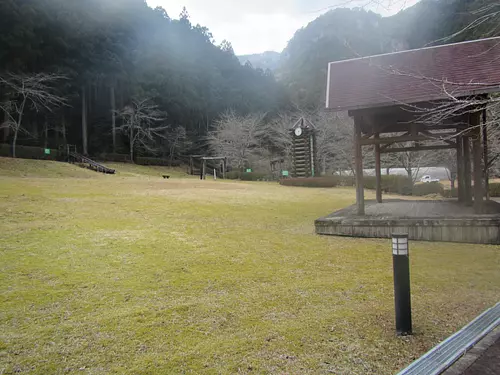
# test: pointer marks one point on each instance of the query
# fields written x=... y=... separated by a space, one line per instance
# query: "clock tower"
x=303 y=149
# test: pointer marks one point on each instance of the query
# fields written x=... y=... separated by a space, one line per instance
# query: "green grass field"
x=133 y=274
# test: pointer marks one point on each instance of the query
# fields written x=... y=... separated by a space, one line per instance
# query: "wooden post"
x=477 y=152
x=378 y=172
x=84 y=122
x=224 y=167
x=484 y=129
x=204 y=172
x=467 y=171
x=460 y=169
x=358 y=161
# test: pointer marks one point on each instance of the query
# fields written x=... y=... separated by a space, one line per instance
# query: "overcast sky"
x=255 y=26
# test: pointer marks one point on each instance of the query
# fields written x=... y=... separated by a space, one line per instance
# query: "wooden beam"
x=416 y=148
x=378 y=175
x=425 y=132
x=405 y=127
x=386 y=146
x=358 y=162
x=467 y=171
x=477 y=154
x=407 y=138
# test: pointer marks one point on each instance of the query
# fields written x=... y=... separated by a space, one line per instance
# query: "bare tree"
x=413 y=162
x=28 y=91
x=341 y=143
x=139 y=124
x=448 y=160
x=279 y=136
x=237 y=137
x=178 y=141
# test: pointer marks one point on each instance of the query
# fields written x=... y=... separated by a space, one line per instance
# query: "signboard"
x=47 y=151
x=284 y=173
x=249 y=170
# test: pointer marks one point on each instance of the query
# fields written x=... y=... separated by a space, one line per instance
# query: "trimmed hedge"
x=248 y=176
x=233 y=175
x=390 y=184
x=494 y=189
x=254 y=176
x=450 y=193
x=428 y=188
x=319 y=182
x=28 y=152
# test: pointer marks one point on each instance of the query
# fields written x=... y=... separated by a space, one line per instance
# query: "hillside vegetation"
x=107 y=54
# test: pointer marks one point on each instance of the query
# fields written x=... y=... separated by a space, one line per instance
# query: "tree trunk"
x=410 y=175
x=6 y=130
x=63 y=130
x=84 y=122
x=172 y=151
x=14 y=141
x=45 y=133
x=90 y=101
x=18 y=126
x=113 y=116
x=131 y=144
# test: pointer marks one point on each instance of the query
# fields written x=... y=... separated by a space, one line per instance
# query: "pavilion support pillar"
x=477 y=152
x=358 y=167
x=460 y=170
x=484 y=131
x=467 y=170
x=378 y=172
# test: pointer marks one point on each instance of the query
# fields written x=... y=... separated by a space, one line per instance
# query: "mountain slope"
x=349 y=33
x=267 y=60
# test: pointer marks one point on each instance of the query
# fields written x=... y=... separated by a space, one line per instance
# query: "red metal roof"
x=414 y=76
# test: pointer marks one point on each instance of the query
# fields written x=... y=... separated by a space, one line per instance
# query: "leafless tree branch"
x=140 y=124
x=34 y=91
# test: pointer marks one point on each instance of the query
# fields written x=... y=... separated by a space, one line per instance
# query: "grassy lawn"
x=133 y=274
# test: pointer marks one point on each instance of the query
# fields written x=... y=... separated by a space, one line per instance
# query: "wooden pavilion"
x=405 y=97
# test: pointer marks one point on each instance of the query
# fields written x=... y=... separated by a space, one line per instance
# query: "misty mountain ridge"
x=344 y=33
x=266 y=60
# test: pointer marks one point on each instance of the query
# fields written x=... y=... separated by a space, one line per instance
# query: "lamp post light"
x=402 y=297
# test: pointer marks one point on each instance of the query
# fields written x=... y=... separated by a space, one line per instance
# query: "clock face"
x=298 y=132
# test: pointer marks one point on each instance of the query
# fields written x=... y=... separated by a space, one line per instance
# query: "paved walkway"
x=417 y=208
x=488 y=363
x=482 y=359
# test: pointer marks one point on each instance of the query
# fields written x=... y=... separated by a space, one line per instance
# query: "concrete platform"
x=445 y=220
